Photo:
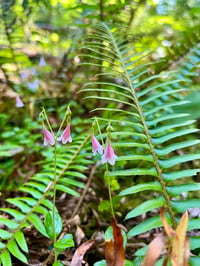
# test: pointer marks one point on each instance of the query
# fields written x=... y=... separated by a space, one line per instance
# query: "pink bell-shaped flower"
x=66 y=135
x=19 y=102
x=96 y=146
x=48 y=137
x=109 y=155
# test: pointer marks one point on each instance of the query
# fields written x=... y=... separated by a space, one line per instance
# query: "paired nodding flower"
x=49 y=139
x=108 y=155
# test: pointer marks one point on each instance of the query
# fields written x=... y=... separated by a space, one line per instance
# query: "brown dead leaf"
x=114 y=250
x=154 y=250
x=80 y=252
x=109 y=252
x=79 y=235
x=179 y=243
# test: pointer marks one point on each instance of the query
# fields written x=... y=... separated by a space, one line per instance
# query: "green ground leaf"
x=53 y=224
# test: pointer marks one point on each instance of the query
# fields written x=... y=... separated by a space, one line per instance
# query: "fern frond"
x=29 y=209
x=146 y=103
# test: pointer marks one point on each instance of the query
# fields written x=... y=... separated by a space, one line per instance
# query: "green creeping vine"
x=28 y=210
x=149 y=132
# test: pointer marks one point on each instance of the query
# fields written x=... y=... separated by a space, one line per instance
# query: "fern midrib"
x=146 y=131
x=49 y=187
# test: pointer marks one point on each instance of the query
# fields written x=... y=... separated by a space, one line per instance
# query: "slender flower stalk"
x=66 y=135
x=48 y=137
x=19 y=102
x=96 y=146
x=109 y=154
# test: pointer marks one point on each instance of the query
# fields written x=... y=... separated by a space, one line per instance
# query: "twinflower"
x=19 y=102
x=66 y=135
x=109 y=154
x=48 y=137
x=96 y=146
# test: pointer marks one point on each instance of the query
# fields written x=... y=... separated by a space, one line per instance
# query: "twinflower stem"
x=109 y=191
x=54 y=197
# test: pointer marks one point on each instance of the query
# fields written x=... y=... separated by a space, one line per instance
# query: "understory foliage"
x=146 y=103
x=149 y=132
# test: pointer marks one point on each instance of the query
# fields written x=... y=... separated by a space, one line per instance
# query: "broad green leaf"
x=2 y=245
x=53 y=224
x=194 y=224
x=178 y=160
x=148 y=158
x=47 y=203
x=21 y=205
x=155 y=186
x=147 y=225
x=163 y=107
x=159 y=95
x=10 y=224
x=100 y=263
x=67 y=190
x=35 y=220
x=194 y=242
x=177 y=190
x=182 y=205
x=76 y=174
x=194 y=261
x=14 y=250
x=134 y=172
x=36 y=194
x=38 y=186
x=145 y=207
x=169 y=136
x=16 y=214
x=4 y=234
x=180 y=174
x=176 y=146
x=162 y=129
x=41 y=209
x=131 y=144
x=162 y=118
x=19 y=237
x=69 y=181
x=5 y=258
x=28 y=200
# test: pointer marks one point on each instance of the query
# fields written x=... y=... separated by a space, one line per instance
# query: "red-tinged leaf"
x=80 y=252
x=154 y=250
x=118 y=244
x=109 y=252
